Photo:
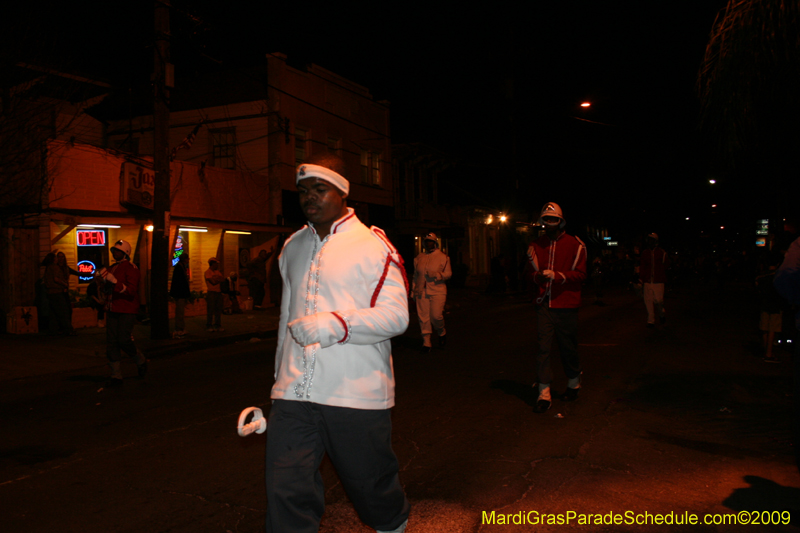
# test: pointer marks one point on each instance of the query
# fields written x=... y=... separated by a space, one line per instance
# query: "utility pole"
x=159 y=259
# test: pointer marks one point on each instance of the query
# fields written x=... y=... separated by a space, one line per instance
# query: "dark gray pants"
x=359 y=444
x=563 y=324
x=119 y=331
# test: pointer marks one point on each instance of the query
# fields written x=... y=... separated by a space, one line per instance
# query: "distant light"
x=489 y=219
x=503 y=218
x=687 y=218
x=235 y=232
x=713 y=205
x=586 y=104
x=149 y=228
x=712 y=182
x=202 y=230
x=98 y=226
x=722 y=227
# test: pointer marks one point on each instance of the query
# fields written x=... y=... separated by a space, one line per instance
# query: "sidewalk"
x=25 y=356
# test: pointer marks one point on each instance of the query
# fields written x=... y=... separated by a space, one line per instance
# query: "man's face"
x=322 y=203
x=429 y=245
x=551 y=228
x=118 y=254
x=262 y=255
x=214 y=265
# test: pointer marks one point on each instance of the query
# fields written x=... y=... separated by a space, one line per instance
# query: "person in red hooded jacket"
x=122 y=285
x=559 y=270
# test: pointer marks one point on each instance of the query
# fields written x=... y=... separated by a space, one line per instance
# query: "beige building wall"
x=329 y=107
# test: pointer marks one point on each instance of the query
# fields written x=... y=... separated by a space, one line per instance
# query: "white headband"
x=323 y=173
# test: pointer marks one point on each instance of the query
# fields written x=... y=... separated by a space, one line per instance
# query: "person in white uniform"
x=344 y=298
x=429 y=289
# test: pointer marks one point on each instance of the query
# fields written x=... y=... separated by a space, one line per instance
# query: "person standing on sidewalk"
x=55 y=283
x=787 y=283
x=230 y=287
x=122 y=282
x=431 y=272
x=559 y=269
x=181 y=293
x=772 y=304
x=653 y=265
x=214 y=280
x=257 y=269
x=67 y=271
x=345 y=295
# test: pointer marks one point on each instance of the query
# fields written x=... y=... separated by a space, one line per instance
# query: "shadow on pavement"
x=764 y=495
x=523 y=391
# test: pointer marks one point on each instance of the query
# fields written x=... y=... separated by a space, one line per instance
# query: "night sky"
x=497 y=88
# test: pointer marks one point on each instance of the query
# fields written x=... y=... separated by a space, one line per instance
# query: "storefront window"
x=92 y=251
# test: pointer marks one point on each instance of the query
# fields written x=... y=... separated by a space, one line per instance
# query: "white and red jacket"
x=566 y=257
x=431 y=272
x=125 y=298
x=354 y=281
x=653 y=265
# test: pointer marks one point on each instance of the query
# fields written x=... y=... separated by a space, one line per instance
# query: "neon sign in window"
x=91 y=237
x=86 y=269
x=176 y=254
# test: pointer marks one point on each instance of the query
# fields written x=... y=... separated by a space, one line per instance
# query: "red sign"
x=91 y=237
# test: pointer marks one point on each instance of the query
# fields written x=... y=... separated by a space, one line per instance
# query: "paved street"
x=681 y=419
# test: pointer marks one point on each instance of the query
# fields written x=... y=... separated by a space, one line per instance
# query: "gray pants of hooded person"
x=213 y=309
x=358 y=443
x=563 y=324
x=119 y=331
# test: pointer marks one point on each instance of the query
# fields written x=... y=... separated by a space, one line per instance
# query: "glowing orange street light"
x=586 y=104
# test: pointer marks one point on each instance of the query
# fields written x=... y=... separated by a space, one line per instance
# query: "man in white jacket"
x=344 y=298
x=431 y=271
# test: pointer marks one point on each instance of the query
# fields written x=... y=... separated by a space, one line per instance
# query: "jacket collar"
x=343 y=224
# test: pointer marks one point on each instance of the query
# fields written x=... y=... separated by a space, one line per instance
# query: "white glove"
x=549 y=274
x=108 y=276
x=305 y=330
x=323 y=328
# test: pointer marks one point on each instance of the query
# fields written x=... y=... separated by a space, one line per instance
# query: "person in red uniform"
x=122 y=285
x=559 y=269
x=653 y=274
